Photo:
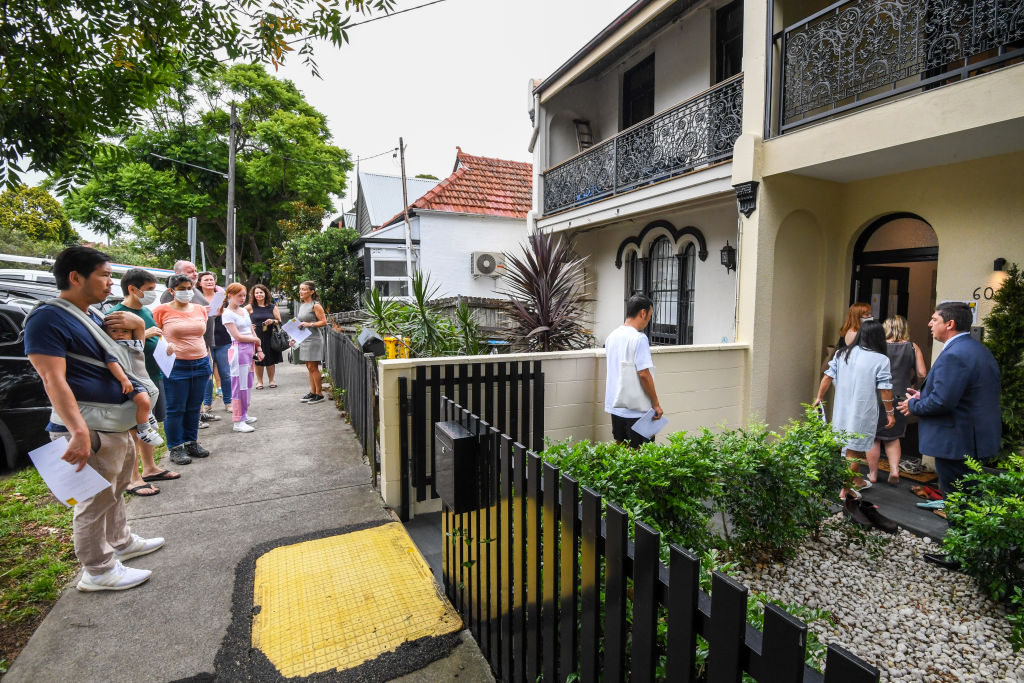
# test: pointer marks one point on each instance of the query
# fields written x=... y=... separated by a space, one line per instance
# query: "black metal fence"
x=510 y=394
x=551 y=587
x=855 y=52
x=695 y=133
x=355 y=373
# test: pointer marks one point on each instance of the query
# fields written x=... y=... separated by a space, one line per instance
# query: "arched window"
x=668 y=279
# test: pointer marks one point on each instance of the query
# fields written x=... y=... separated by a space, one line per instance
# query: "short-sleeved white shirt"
x=241 y=320
x=615 y=347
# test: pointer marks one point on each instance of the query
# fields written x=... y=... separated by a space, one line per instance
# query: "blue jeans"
x=185 y=389
x=220 y=355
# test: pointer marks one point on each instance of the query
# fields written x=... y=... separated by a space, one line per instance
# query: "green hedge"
x=768 y=489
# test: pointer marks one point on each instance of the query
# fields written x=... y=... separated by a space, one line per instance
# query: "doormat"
x=923 y=477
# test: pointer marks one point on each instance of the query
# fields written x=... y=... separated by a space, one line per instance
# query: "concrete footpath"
x=299 y=475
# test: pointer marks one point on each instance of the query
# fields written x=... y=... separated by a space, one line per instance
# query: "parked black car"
x=24 y=407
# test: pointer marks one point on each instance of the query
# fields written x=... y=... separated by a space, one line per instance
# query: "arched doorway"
x=895 y=264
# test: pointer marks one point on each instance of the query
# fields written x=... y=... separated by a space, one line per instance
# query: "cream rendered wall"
x=682 y=69
x=698 y=386
x=448 y=240
x=715 y=287
x=975 y=208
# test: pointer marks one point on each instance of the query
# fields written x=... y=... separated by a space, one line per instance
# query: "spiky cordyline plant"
x=546 y=288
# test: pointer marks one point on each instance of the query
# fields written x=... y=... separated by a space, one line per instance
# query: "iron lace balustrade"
x=859 y=51
x=698 y=132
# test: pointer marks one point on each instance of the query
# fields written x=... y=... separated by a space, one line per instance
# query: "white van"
x=27 y=275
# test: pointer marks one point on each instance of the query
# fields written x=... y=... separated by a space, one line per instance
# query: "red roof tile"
x=483 y=186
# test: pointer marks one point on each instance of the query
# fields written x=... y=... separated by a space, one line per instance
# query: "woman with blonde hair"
x=311 y=316
x=245 y=347
x=908 y=370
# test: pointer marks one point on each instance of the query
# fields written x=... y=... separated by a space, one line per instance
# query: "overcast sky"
x=454 y=73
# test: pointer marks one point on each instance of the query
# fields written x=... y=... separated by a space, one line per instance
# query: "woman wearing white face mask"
x=140 y=291
x=184 y=326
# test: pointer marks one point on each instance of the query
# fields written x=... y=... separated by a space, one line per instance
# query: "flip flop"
x=273 y=386
x=259 y=386
x=134 y=490
x=162 y=475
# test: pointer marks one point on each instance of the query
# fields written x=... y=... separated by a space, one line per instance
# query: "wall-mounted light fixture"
x=729 y=257
x=998 y=264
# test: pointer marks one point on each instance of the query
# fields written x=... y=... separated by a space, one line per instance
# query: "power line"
x=185 y=163
x=372 y=19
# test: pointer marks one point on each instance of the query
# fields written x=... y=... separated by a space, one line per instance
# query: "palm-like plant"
x=547 y=296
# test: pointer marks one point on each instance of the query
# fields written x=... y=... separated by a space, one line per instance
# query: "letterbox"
x=457 y=474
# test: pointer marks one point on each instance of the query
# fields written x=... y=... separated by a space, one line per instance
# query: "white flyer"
x=67 y=485
x=647 y=426
x=215 y=301
x=297 y=333
x=163 y=359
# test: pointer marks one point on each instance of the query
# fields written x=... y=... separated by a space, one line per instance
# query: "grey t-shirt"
x=199 y=300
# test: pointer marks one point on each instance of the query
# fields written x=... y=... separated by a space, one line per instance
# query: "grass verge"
x=38 y=556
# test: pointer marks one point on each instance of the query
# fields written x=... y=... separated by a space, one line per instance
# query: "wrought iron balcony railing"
x=698 y=132
x=855 y=52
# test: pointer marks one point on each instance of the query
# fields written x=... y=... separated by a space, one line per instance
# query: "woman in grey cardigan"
x=311 y=350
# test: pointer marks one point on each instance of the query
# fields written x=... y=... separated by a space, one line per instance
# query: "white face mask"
x=183 y=295
x=147 y=298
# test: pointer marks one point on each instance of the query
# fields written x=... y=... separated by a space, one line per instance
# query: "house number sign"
x=987 y=293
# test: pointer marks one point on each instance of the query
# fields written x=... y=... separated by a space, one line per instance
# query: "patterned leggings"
x=240 y=358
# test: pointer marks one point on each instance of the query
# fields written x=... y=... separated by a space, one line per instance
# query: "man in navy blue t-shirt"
x=53 y=339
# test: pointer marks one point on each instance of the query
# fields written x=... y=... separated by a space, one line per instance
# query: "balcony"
x=858 y=52
x=696 y=133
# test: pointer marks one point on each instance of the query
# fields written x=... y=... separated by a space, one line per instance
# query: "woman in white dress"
x=861 y=373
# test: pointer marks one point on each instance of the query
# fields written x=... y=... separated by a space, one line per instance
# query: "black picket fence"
x=510 y=394
x=552 y=588
x=355 y=373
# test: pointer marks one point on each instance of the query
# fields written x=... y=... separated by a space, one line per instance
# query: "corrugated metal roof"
x=383 y=194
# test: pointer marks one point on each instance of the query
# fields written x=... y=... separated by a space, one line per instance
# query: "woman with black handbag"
x=266 y=320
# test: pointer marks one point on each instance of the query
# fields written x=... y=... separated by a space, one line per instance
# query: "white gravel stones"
x=911 y=619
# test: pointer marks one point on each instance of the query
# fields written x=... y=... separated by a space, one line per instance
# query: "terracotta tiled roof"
x=483 y=186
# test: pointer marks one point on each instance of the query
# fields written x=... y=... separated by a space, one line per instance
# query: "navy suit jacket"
x=959 y=404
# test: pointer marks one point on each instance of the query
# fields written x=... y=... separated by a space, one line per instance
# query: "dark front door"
x=886 y=289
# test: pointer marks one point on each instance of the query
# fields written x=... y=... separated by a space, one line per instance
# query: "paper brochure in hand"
x=215 y=301
x=647 y=426
x=67 y=485
x=162 y=358
x=297 y=333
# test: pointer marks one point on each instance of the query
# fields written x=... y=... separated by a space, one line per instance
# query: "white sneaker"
x=243 y=427
x=152 y=422
x=117 y=579
x=250 y=419
x=151 y=437
x=138 y=546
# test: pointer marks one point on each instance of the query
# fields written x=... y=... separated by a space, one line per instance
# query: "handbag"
x=630 y=394
x=279 y=339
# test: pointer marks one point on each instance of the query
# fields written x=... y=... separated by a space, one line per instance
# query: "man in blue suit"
x=958 y=408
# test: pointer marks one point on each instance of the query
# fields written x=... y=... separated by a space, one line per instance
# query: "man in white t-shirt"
x=639 y=310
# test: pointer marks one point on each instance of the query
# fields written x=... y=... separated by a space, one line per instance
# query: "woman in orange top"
x=184 y=325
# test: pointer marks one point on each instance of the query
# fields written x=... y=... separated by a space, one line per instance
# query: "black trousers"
x=622 y=431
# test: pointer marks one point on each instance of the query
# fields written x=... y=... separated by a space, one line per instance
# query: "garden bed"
x=912 y=620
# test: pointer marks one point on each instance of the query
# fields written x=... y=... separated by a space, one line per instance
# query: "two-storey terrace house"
x=756 y=166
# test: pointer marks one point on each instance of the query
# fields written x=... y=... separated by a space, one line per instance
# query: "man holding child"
x=68 y=350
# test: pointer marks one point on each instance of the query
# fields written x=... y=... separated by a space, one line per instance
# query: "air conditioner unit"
x=489 y=263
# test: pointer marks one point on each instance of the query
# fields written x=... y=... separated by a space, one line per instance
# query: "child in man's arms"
x=146 y=423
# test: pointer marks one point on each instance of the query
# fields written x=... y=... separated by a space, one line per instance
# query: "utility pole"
x=405 y=210
x=230 y=260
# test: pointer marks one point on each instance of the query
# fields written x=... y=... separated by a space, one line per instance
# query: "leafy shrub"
x=770 y=489
x=986 y=527
x=1004 y=336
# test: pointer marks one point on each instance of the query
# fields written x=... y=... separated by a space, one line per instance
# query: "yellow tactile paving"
x=337 y=602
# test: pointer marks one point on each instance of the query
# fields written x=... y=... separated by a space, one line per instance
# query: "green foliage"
x=770 y=489
x=130 y=252
x=326 y=259
x=1004 y=336
x=986 y=527
x=34 y=214
x=431 y=333
x=546 y=289
x=284 y=160
x=78 y=73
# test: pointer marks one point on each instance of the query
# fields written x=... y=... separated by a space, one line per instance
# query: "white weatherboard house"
x=460 y=229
